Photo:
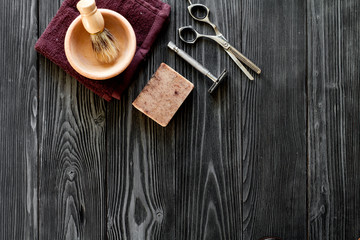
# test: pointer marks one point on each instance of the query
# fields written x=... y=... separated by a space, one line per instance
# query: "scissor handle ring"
x=197 y=6
x=191 y=29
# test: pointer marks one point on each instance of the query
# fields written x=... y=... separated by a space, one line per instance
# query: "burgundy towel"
x=147 y=17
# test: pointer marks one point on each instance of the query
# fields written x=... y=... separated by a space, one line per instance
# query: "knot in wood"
x=99 y=119
x=159 y=216
x=71 y=173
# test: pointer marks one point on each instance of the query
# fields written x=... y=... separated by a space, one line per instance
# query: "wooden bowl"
x=81 y=56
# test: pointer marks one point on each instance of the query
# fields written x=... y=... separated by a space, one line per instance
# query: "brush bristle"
x=105 y=46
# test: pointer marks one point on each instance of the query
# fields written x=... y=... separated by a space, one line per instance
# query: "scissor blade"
x=236 y=60
x=245 y=60
x=222 y=36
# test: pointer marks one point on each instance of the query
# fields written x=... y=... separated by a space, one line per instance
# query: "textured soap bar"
x=163 y=95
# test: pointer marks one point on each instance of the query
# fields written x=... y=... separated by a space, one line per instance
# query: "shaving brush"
x=104 y=44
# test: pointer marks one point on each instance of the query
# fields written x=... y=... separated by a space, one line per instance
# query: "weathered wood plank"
x=229 y=166
x=274 y=120
x=140 y=162
x=208 y=134
x=72 y=153
x=350 y=62
x=140 y=185
x=333 y=84
x=18 y=120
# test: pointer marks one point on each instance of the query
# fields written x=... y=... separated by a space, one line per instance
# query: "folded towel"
x=147 y=17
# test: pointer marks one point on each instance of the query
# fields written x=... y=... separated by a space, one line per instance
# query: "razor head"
x=218 y=81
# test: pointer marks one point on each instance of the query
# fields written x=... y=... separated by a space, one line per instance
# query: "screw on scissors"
x=189 y=35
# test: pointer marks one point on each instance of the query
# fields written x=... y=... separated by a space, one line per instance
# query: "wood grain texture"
x=140 y=163
x=333 y=70
x=277 y=156
x=72 y=153
x=208 y=134
x=350 y=62
x=140 y=168
x=72 y=159
x=274 y=120
x=18 y=120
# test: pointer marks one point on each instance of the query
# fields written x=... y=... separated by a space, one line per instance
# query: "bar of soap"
x=163 y=95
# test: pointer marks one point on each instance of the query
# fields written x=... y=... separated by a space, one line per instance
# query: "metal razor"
x=199 y=67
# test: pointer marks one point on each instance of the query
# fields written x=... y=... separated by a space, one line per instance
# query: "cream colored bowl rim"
x=132 y=47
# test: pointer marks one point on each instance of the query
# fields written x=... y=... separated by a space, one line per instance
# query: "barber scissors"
x=189 y=35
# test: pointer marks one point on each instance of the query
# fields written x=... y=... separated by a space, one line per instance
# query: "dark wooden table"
x=277 y=156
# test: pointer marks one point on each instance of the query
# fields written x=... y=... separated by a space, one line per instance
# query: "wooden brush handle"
x=91 y=18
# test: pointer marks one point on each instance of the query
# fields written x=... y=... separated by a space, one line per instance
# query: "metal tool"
x=189 y=35
x=198 y=66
